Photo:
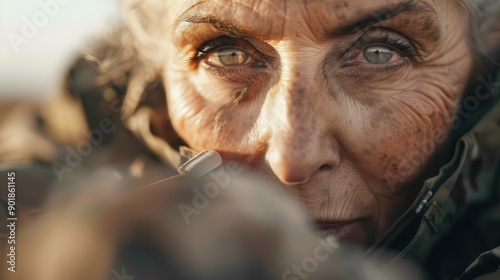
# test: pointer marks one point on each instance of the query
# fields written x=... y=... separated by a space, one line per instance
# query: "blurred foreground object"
x=230 y=224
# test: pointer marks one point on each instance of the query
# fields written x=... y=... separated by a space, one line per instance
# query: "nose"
x=302 y=142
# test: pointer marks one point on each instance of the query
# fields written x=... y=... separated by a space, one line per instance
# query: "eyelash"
x=403 y=46
x=224 y=41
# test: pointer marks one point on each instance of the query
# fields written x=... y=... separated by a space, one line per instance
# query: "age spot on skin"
x=382 y=114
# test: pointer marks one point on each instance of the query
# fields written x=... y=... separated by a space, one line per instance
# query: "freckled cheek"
x=396 y=142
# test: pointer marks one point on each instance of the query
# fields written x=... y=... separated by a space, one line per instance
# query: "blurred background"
x=40 y=40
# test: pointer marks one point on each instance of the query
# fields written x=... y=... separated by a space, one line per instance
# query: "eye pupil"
x=378 y=54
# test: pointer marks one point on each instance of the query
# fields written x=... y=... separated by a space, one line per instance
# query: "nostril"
x=325 y=167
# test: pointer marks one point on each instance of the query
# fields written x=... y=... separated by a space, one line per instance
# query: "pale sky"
x=40 y=38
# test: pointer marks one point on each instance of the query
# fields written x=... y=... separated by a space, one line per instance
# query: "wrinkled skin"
x=307 y=107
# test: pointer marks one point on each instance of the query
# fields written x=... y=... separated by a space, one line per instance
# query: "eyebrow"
x=218 y=23
x=191 y=15
x=383 y=14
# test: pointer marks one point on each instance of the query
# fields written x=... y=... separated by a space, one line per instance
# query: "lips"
x=335 y=228
x=353 y=231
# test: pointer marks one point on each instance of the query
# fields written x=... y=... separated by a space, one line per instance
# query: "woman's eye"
x=228 y=57
x=378 y=54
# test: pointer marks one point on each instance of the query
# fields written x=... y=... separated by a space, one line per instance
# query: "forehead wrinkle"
x=274 y=19
x=369 y=14
x=257 y=18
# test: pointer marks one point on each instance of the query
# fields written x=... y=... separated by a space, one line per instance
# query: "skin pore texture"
x=342 y=102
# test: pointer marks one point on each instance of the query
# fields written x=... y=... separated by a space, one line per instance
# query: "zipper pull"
x=424 y=204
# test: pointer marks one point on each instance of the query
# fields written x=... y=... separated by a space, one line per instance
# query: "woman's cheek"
x=392 y=141
x=201 y=109
x=188 y=110
x=396 y=138
x=216 y=91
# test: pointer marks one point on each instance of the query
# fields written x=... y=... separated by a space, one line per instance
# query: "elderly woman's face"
x=342 y=101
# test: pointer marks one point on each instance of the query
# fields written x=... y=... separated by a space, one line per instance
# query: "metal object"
x=200 y=164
